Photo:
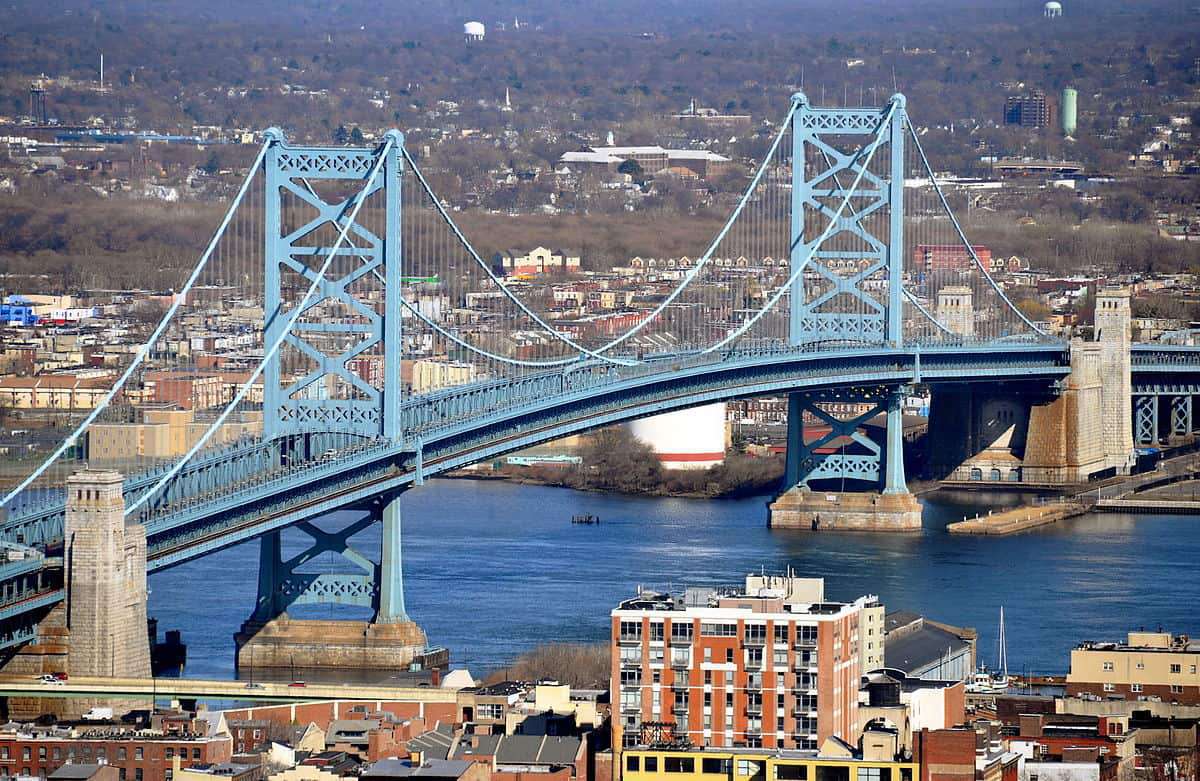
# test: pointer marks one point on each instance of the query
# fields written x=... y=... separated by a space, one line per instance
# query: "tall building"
x=772 y=664
x=1029 y=110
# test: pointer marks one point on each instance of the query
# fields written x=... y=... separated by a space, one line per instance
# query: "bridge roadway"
x=232 y=495
x=225 y=691
x=211 y=506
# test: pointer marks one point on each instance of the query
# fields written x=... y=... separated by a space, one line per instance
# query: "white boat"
x=985 y=682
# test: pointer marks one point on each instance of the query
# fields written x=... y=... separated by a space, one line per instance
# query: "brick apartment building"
x=771 y=665
x=137 y=756
x=932 y=258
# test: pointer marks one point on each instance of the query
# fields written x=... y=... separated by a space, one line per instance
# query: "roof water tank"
x=474 y=30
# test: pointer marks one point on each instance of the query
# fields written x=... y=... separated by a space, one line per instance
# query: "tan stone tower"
x=1113 y=330
x=956 y=310
x=105 y=571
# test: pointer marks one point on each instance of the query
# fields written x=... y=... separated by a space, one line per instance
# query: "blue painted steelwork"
x=360 y=454
x=1145 y=419
x=1181 y=415
x=879 y=320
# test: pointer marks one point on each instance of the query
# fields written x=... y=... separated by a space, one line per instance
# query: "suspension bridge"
x=340 y=340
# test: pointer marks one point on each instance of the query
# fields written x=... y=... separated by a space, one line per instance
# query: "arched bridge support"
x=839 y=476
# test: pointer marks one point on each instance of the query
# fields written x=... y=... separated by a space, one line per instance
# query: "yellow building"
x=836 y=761
x=431 y=375
x=1150 y=666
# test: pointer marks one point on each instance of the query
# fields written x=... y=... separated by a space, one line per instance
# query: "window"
x=781 y=633
x=711 y=629
x=1136 y=687
x=137 y=752
x=631 y=677
x=806 y=635
x=41 y=752
x=755 y=633
x=1108 y=687
x=1141 y=665
x=630 y=654
x=716 y=766
x=681 y=632
x=122 y=753
x=631 y=630
x=707 y=675
x=483 y=710
x=171 y=750
x=631 y=699
x=728 y=655
x=56 y=753
x=1176 y=689
x=656 y=631
x=1108 y=667
x=26 y=753
x=749 y=767
x=791 y=772
x=633 y=763
x=120 y=774
x=651 y=764
x=754 y=657
x=708 y=699
x=1176 y=668
x=137 y=773
x=679 y=765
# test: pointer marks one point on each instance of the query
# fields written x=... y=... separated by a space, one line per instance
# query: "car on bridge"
x=53 y=680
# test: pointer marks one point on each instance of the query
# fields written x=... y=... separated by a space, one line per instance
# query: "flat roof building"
x=773 y=664
x=1148 y=666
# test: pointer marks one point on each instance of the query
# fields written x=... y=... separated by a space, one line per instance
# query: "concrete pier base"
x=286 y=643
x=801 y=508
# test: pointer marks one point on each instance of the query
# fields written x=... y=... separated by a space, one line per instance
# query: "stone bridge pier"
x=100 y=629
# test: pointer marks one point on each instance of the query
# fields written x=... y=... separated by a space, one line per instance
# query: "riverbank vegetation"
x=614 y=460
x=581 y=665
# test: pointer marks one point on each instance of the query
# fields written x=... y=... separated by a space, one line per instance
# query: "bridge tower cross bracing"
x=296 y=412
x=819 y=259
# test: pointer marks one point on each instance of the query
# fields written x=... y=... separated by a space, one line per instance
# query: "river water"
x=493 y=568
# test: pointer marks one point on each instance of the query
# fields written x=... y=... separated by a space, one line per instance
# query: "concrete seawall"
x=1018 y=519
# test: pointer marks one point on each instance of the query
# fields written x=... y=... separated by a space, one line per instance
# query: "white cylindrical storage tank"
x=687 y=439
x=474 y=31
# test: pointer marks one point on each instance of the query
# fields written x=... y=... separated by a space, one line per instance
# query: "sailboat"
x=984 y=682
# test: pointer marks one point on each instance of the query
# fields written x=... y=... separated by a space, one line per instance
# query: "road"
x=240 y=691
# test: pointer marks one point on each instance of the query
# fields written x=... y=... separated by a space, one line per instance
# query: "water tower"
x=474 y=31
x=1052 y=10
x=1068 y=113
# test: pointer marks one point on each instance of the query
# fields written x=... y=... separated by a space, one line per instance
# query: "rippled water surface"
x=492 y=569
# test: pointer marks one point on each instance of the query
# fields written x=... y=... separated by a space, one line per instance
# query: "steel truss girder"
x=289 y=408
x=1181 y=415
x=1145 y=419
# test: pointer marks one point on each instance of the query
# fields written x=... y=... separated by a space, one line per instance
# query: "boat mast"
x=1003 y=660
